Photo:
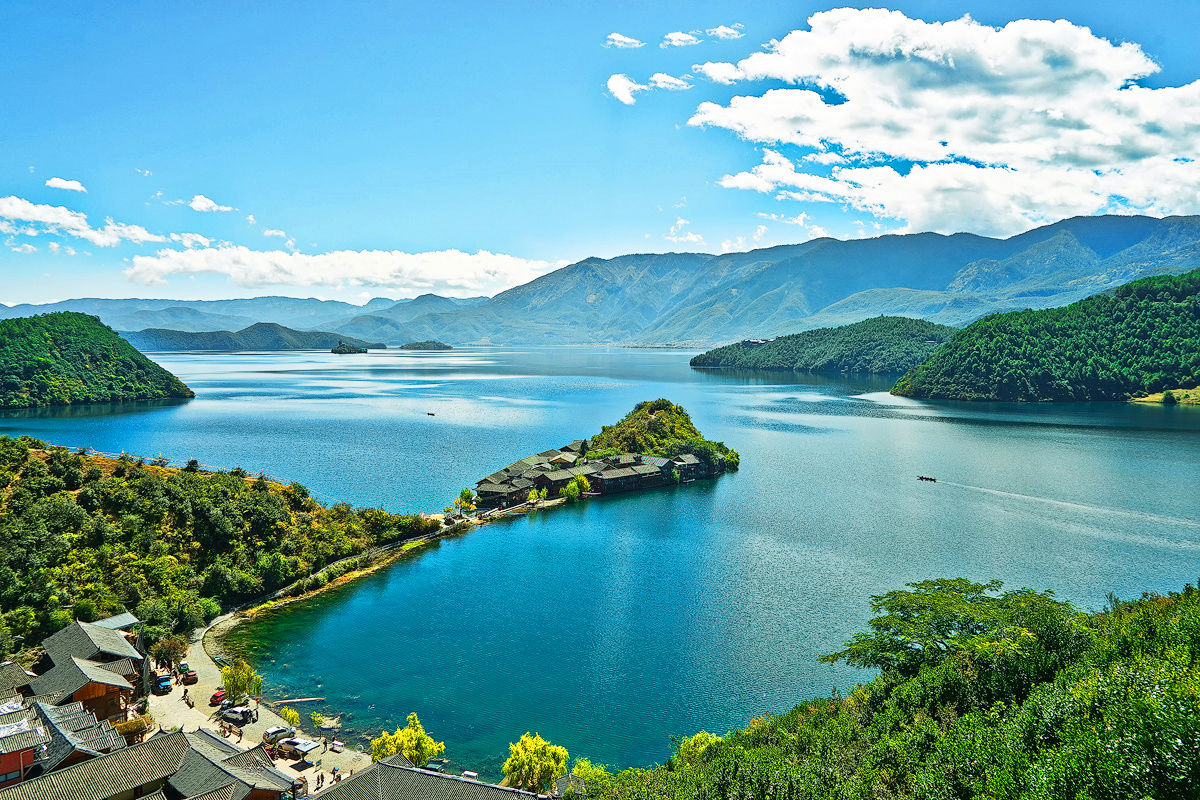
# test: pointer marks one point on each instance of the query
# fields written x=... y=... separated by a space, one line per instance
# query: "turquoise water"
x=612 y=626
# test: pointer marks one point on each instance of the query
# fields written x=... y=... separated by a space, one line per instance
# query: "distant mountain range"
x=694 y=298
x=259 y=336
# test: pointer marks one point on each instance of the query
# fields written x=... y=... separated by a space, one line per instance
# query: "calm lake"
x=612 y=626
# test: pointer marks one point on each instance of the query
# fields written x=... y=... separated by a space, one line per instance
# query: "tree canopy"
x=534 y=764
x=1139 y=338
x=412 y=741
x=241 y=680
x=880 y=344
x=65 y=357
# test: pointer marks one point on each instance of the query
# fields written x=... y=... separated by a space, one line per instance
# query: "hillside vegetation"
x=83 y=536
x=660 y=428
x=260 y=336
x=430 y=344
x=881 y=344
x=981 y=695
x=64 y=358
x=1141 y=337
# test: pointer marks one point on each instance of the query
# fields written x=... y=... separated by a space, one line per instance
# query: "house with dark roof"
x=101 y=691
x=396 y=778
x=119 y=622
x=75 y=735
x=22 y=738
x=100 y=645
x=12 y=677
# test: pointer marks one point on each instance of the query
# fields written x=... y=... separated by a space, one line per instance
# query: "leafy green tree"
x=534 y=764
x=691 y=750
x=412 y=741
x=241 y=680
x=169 y=650
x=465 y=502
x=317 y=719
x=291 y=716
x=575 y=488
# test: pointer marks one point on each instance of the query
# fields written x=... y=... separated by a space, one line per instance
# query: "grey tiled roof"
x=615 y=473
x=71 y=729
x=20 y=729
x=12 y=675
x=123 y=666
x=84 y=640
x=101 y=778
x=118 y=622
x=392 y=780
x=224 y=793
x=214 y=763
x=71 y=675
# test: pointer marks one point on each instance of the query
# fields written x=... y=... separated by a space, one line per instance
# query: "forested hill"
x=983 y=695
x=83 y=536
x=880 y=344
x=1141 y=337
x=260 y=336
x=660 y=428
x=64 y=358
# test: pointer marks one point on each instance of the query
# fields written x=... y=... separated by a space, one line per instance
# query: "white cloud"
x=661 y=80
x=622 y=87
x=622 y=41
x=680 y=39
x=145 y=173
x=726 y=31
x=201 y=203
x=760 y=232
x=250 y=219
x=737 y=245
x=22 y=248
x=190 y=240
x=63 y=221
x=275 y=232
x=1005 y=128
x=799 y=219
x=449 y=272
x=63 y=183
x=55 y=247
x=678 y=233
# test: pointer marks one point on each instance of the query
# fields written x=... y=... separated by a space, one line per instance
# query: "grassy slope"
x=881 y=344
x=67 y=357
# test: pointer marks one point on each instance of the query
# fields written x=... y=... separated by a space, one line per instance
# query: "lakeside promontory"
x=1136 y=339
x=67 y=358
x=880 y=345
x=431 y=344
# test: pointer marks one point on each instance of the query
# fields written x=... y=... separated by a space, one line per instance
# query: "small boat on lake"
x=430 y=414
x=926 y=478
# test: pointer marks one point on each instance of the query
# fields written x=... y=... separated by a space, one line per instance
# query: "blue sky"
x=391 y=149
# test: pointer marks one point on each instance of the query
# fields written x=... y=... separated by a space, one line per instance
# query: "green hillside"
x=260 y=336
x=881 y=344
x=1139 y=338
x=64 y=358
x=82 y=536
x=982 y=695
x=660 y=428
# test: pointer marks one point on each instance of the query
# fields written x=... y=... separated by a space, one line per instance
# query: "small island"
x=343 y=349
x=432 y=344
x=656 y=444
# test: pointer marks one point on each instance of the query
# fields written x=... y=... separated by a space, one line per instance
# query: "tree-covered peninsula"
x=981 y=695
x=66 y=357
x=660 y=428
x=881 y=344
x=259 y=336
x=83 y=536
x=1138 y=338
x=431 y=344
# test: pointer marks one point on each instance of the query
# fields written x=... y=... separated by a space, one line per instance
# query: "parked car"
x=190 y=677
x=297 y=748
x=217 y=698
x=240 y=714
x=162 y=683
x=274 y=734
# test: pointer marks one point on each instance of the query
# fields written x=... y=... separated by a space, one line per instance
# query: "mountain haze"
x=259 y=336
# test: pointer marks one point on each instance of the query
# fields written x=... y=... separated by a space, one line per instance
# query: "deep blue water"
x=612 y=626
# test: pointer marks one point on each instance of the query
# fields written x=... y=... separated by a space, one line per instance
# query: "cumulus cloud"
x=191 y=240
x=63 y=183
x=251 y=220
x=58 y=220
x=962 y=126
x=623 y=87
x=679 y=234
x=622 y=41
x=679 y=39
x=26 y=247
x=448 y=272
x=726 y=31
x=275 y=232
x=201 y=203
x=661 y=80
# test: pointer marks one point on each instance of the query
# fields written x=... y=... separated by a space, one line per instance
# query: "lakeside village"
x=80 y=723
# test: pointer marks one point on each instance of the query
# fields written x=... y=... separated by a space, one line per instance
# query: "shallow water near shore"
x=613 y=625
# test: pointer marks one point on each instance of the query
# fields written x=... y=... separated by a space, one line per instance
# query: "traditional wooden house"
x=688 y=466
x=396 y=778
x=75 y=735
x=102 y=645
x=98 y=689
x=23 y=737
